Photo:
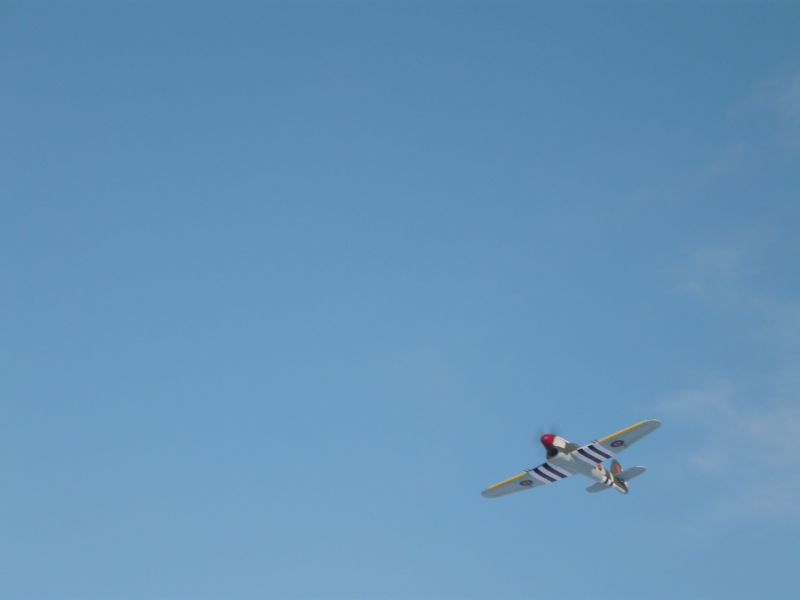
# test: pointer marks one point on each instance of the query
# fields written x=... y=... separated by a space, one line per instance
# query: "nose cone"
x=547 y=440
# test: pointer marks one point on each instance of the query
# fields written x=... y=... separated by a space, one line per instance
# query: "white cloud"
x=712 y=272
x=719 y=277
x=740 y=433
x=780 y=95
x=779 y=99
x=750 y=446
x=750 y=453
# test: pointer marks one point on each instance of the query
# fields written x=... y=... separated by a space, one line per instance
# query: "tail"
x=621 y=478
x=616 y=471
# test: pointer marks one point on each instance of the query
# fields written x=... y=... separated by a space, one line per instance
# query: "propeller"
x=540 y=431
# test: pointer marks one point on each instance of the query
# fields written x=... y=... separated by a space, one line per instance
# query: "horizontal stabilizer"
x=597 y=487
x=623 y=476
x=629 y=474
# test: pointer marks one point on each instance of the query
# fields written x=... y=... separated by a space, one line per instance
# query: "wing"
x=518 y=483
x=593 y=453
x=541 y=475
x=615 y=443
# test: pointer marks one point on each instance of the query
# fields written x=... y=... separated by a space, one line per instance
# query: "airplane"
x=565 y=458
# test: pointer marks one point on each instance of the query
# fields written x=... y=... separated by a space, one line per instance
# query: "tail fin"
x=619 y=484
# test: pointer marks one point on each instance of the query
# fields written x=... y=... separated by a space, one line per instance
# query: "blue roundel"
x=617 y=443
x=526 y=482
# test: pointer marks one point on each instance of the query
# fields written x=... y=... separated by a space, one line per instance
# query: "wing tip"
x=654 y=422
x=509 y=480
x=493 y=491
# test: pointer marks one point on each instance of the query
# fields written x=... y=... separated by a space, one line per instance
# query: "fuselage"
x=565 y=455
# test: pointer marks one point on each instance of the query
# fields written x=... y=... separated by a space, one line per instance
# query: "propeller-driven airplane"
x=565 y=458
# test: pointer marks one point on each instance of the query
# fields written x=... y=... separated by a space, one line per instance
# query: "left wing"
x=518 y=483
x=531 y=478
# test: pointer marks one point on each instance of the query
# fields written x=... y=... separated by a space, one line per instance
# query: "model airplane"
x=565 y=458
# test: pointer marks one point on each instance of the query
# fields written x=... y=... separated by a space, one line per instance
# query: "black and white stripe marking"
x=594 y=453
x=548 y=473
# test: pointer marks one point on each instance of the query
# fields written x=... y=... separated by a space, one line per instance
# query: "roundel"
x=526 y=482
x=617 y=443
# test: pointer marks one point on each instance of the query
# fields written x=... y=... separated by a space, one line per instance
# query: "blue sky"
x=286 y=285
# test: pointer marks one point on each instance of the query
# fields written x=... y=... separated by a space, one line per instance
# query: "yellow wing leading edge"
x=617 y=442
x=518 y=483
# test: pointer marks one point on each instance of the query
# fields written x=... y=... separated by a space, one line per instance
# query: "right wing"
x=541 y=475
x=600 y=450
x=617 y=442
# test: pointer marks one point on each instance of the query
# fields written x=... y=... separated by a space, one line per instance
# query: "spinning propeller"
x=546 y=439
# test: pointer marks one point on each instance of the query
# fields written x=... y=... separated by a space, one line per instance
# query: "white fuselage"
x=575 y=464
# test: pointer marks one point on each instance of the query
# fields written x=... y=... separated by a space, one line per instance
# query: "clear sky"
x=284 y=286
